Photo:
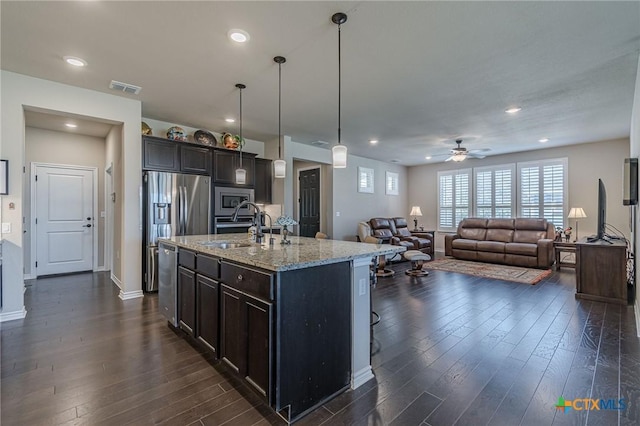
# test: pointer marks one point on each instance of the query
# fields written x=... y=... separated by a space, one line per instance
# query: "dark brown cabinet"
x=187 y=300
x=263 y=180
x=601 y=271
x=170 y=156
x=225 y=163
x=160 y=155
x=194 y=159
x=247 y=323
x=207 y=312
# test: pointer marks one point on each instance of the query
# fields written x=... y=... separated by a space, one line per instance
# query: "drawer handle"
x=240 y=277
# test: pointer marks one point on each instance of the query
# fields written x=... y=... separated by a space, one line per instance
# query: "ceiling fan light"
x=458 y=157
x=279 y=169
x=339 y=154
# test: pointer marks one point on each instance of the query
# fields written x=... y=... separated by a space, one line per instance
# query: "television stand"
x=601 y=271
x=595 y=239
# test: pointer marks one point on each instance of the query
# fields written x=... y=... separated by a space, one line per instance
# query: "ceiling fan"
x=460 y=154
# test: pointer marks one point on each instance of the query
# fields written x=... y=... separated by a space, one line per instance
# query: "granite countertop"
x=301 y=253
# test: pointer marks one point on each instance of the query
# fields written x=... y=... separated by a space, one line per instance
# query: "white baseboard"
x=126 y=295
x=116 y=281
x=29 y=277
x=100 y=269
x=361 y=377
x=15 y=315
x=637 y=312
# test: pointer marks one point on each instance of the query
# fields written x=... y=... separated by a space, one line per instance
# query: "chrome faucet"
x=257 y=223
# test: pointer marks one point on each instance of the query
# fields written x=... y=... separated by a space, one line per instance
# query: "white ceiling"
x=415 y=75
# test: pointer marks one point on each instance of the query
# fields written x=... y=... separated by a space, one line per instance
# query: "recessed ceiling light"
x=71 y=125
x=513 y=110
x=428 y=157
x=373 y=141
x=76 y=62
x=230 y=120
x=239 y=36
x=543 y=140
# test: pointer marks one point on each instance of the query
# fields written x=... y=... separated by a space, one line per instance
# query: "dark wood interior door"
x=309 y=202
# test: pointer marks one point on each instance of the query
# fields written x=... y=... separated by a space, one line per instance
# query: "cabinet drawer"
x=247 y=280
x=207 y=265
x=187 y=258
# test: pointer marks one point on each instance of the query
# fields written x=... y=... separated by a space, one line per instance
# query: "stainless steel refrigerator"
x=175 y=204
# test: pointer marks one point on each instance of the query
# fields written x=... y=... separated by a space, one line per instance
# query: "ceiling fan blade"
x=472 y=155
x=449 y=159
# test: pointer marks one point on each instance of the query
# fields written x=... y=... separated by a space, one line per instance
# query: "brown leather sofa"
x=519 y=242
x=395 y=231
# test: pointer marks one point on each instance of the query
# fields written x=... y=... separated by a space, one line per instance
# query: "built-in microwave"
x=227 y=199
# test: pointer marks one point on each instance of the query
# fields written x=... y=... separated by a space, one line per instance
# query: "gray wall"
x=48 y=146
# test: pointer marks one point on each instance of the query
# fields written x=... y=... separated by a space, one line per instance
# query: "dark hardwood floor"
x=450 y=349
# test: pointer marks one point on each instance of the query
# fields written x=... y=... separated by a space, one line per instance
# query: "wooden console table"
x=560 y=247
x=601 y=271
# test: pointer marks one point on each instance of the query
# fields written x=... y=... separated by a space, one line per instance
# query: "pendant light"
x=241 y=174
x=279 y=166
x=339 y=151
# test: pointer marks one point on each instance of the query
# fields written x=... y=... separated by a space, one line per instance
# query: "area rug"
x=488 y=270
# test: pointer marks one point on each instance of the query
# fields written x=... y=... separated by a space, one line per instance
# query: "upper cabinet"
x=170 y=156
x=225 y=163
x=263 y=180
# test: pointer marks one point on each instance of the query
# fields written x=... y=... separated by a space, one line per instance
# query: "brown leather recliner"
x=383 y=229
x=395 y=231
x=421 y=241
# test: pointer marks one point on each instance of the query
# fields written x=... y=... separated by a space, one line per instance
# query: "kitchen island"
x=291 y=320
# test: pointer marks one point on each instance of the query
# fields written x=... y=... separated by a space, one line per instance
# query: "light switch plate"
x=6 y=227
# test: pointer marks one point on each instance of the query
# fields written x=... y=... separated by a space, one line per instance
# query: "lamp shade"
x=576 y=213
x=279 y=168
x=339 y=156
x=241 y=176
x=415 y=211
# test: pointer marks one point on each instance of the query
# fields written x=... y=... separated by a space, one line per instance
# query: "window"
x=454 y=200
x=543 y=189
x=391 y=186
x=365 y=180
x=495 y=191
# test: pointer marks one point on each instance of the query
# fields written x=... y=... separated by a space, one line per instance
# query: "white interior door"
x=64 y=219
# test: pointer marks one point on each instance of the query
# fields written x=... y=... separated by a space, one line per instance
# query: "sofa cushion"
x=485 y=256
x=525 y=236
x=383 y=233
x=502 y=235
x=464 y=244
x=522 y=249
x=490 y=246
x=500 y=223
x=531 y=224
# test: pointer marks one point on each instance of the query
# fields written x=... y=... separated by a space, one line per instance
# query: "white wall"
x=19 y=92
x=587 y=163
x=48 y=146
x=635 y=152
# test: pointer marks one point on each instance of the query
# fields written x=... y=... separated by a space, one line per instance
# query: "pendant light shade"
x=241 y=174
x=339 y=151
x=280 y=166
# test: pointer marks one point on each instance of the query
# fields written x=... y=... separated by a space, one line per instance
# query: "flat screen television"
x=602 y=210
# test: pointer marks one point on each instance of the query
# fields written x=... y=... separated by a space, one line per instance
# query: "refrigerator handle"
x=154 y=253
x=184 y=210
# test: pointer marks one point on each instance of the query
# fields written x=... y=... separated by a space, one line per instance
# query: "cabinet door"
x=160 y=155
x=207 y=312
x=225 y=164
x=263 y=180
x=194 y=159
x=232 y=335
x=258 y=316
x=187 y=300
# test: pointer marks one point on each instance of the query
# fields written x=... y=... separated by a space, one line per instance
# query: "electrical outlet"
x=337 y=214
x=363 y=286
x=103 y=214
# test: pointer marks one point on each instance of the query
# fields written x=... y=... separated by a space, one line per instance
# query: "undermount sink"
x=224 y=244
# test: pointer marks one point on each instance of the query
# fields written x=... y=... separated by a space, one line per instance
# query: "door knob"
x=87 y=225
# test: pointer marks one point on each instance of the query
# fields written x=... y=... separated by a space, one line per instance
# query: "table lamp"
x=285 y=221
x=415 y=212
x=576 y=213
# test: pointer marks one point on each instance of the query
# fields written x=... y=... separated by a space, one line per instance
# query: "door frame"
x=34 y=209
x=320 y=177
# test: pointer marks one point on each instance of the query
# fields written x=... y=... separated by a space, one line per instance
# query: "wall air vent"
x=125 y=87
